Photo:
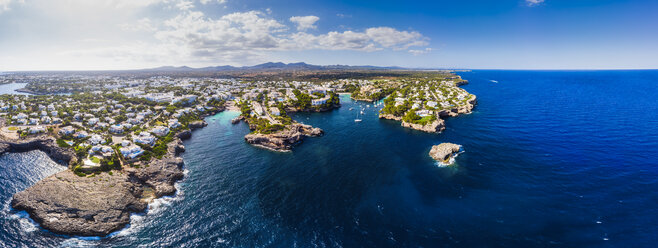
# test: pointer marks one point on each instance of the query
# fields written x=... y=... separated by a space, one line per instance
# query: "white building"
x=144 y=138
x=275 y=111
x=92 y=121
x=160 y=131
x=68 y=130
x=37 y=129
x=116 y=129
x=316 y=102
x=96 y=139
x=81 y=135
x=131 y=152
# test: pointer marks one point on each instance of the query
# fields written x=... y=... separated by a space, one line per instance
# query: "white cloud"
x=185 y=5
x=117 y=34
x=208 y=1
x=534 y=2
x=417 y=52
x=5 y=4
x=204 y=37
x=398 y=40
x=305 y=22
x=144 y=24
x=372 y=39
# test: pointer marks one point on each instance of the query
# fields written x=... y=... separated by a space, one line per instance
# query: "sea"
x=551 y=159
x=11 y=88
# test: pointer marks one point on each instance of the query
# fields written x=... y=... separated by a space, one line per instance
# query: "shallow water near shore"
x=551 y=158
x=11 y=88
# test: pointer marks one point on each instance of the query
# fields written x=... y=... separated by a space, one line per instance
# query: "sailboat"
x=357 y=117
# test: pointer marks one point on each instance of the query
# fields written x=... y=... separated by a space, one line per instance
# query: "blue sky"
x=474 y=34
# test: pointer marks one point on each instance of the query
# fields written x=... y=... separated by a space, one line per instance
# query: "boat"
x=357 y=117
x=351 y=109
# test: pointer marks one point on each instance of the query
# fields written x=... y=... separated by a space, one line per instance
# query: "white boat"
x=357 y=117
x=351 y=109
x=357 y=120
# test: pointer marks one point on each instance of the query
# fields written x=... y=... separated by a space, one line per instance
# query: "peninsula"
x=422 y=104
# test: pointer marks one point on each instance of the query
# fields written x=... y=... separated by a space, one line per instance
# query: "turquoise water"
x=11 y=88
x=552 y=158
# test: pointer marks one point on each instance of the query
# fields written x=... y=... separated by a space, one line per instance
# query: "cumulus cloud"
x=118 y=32
x=305 y=22
x=253 y=30
x=372 y=39
x=236 y=31
x=534 y=2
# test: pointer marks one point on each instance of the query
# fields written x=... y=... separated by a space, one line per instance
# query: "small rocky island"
x=444 y=152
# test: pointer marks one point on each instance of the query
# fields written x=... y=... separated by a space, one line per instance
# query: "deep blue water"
x=552 y=159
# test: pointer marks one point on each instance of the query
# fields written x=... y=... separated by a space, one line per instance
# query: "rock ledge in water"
x=444 y=152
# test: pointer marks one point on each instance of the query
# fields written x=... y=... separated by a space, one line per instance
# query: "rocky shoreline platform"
x=98 y=204
x=285 y=139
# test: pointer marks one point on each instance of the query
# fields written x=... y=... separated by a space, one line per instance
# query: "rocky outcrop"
x=464 y=109
x=161 y=174
x=197 y=124
x=237 y=120
x=291 y=109
x=436 y=126
x=390 y=117
x=98 y=205
x=433 y=127
x=44 y=143
x=285 y=139
x=444 y=152
x=362 y=99
x=65 y=203
x=185 y=134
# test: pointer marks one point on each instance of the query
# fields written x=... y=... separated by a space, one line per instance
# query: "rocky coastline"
x=98 y=204
x=284 y=140
x=358 y=99
x=44 y=143
x=313 y=109
x=435 y=126
x=465 y=109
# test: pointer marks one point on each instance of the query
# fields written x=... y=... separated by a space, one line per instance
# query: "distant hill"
x=269 y=66
x=265 y=71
